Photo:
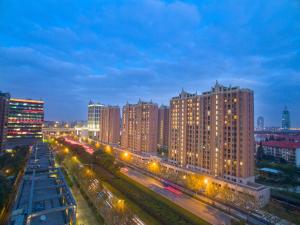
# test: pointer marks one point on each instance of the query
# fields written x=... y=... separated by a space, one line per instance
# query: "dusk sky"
x=67 y=53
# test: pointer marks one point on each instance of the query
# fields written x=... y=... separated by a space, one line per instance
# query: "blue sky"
x=68 y=52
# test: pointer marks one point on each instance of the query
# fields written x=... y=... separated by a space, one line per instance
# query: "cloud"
x=118 y=51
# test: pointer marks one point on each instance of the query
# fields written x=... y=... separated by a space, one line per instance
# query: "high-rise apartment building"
x=139 y=127
x=94 y=110
x=163 y=126
x=260 y=123
x=4 y=103
x=285 y=122
x=110 y=124
x=25 y=121
x=213 y=133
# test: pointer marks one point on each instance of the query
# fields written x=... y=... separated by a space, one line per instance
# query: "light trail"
x=87 y=148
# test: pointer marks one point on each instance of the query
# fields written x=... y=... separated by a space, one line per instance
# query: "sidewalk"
x=85 y=214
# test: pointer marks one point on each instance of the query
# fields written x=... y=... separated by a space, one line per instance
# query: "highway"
x=206 y=212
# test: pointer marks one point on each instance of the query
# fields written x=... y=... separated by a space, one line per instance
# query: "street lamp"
x=154 y=167
x=74 y=158
x=66 y=150
x=205 y=181
x=108 y=149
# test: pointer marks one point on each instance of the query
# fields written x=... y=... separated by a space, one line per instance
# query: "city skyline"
x=113 y=52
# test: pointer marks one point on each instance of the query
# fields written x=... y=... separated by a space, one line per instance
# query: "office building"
x=213 y=133
x=285 y=122
x=163 y=126
x=139 y=127
x=110 y=124
x=260 y=123
x=93 y=122
x=25 y=121
x=4 y=103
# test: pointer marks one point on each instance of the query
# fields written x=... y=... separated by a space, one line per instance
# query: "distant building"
x=285 y=123
x=93 y=122
x=289 y=151
x=271 y=174
x=4 y=103
x=110 y=124
x=163 y=126
x=25 y=121
x=214 y=132
x=260 y=123
x=139 y=127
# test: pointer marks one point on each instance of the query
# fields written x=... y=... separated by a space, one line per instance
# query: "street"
x=208 y=213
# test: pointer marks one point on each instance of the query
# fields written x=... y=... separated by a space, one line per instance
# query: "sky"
x=113 y=52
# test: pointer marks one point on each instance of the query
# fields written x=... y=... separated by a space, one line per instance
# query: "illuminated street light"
x=7 y=171
x=205 y=181
x=154 y=167
x=89 y=172
x=120 y=204
x=125 y=156
x=108 y=149
x=66 y=150
x=74 y=158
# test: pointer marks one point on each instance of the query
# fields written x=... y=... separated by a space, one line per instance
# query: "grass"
x=148 y=201
x=106 y=177
x=145 y=217
x=291 y=197
x=177 y=209
x=283 y=211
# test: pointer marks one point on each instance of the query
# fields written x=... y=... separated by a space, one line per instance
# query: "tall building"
x=110 y=124
x=285 y=122
x=25 y=120
x=139 y=127
x=93 y=123
x=163 y=126
x=4 y=102
x=260 y=123
x=213 y=133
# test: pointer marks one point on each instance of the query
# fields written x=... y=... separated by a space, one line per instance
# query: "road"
x=206 y=212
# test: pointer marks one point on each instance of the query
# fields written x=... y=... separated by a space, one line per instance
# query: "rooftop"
x=43 y=195
x=281 y=144
x=270 y=170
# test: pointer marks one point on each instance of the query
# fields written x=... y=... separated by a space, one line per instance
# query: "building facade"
x=289 y=151
x=213 y=133
x=163 y=126
x=260 y=123
x=139 y=127
x=285 y=121
x=110 y=125
x=4 y=103
x=25 y=121
x=93 y=124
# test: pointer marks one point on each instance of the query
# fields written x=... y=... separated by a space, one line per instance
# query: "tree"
x=260 y=152
x=194 y=182
x=211 y=190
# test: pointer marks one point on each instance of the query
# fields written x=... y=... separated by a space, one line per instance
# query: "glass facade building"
x=285 y=122
x=4 y=102
x=25 y=121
